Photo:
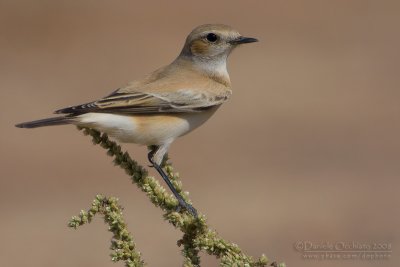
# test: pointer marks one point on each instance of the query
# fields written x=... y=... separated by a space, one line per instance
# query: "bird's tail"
x=45 y=122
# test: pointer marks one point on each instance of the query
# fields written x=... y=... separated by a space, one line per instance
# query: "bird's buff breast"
x=145 y=129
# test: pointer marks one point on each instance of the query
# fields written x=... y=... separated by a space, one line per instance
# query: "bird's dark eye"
x=212 y=37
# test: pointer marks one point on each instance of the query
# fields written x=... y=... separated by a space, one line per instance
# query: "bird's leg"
x=150 y=156
x=182 y=202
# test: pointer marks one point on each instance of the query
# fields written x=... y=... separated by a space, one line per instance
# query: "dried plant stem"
x=197 y=236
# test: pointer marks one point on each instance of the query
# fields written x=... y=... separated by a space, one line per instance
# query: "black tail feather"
x=45 y=122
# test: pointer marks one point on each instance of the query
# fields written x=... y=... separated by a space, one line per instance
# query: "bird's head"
x=213 y=42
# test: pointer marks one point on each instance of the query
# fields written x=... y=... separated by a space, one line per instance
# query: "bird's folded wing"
x=150 y=103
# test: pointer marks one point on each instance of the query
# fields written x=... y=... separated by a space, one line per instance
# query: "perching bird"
x=167 y=103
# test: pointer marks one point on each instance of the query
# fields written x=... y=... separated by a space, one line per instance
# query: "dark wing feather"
x=146 y=103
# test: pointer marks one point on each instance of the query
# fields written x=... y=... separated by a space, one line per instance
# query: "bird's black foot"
x=189 y=208
x=182 y=203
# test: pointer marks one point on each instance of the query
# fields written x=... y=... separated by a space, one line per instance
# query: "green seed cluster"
x=197 y=236
x=122 y=243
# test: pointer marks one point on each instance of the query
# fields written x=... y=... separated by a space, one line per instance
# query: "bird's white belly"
x=145 y=129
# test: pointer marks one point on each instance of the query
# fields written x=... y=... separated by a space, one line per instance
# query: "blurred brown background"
x=306 y=149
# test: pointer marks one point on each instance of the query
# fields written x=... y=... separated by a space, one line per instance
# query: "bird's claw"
x=189 y=208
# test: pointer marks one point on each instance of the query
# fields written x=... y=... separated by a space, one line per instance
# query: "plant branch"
x=197 y=236
x=122 y=242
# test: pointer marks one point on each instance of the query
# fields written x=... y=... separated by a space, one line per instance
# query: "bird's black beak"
x=243 y=40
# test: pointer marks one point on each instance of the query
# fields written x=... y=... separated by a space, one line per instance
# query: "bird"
x=165 y=104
